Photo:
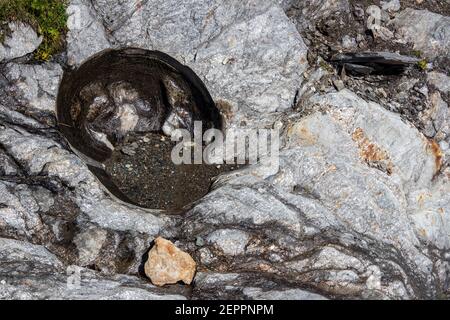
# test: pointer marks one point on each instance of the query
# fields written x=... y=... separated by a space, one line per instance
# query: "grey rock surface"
x=358 y=208
x=428 y=31
x=237 y=48
x=20 y=40
x=55 y=200
x=308 y=12
x=231 y=242
x=18 y=253
x=437 y=118
x=289 y=294
x=339 y=192
x=7 y=165
x=33 y=86
x=86 y=35
x=440 y=80
x=32 y=272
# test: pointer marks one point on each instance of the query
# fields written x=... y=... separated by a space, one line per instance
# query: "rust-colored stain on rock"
x=372 y=154
x=167 y=264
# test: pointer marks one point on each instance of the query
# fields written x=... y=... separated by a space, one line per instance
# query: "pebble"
x=167 y=264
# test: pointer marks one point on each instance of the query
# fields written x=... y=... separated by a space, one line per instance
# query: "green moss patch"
x=47 y=17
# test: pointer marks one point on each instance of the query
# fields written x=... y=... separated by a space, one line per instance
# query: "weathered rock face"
x=306 y=12
x=359 y=207
x=428 y=31
x=21 y=41
x=167 y=264
x=391 y=5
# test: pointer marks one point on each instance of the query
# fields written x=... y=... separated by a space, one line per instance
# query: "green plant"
x=48 y=17
x=422 y=64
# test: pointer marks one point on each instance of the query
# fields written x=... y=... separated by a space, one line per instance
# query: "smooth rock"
x=15 y=253
x=255 y=286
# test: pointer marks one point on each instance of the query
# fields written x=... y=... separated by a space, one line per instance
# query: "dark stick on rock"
x=362 y=63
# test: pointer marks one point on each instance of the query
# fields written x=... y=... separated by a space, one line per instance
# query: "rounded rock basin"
x=117 y=111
